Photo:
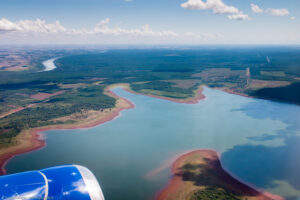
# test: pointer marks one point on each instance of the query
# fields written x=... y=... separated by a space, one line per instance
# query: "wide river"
x=49 y=64
x=259 y=142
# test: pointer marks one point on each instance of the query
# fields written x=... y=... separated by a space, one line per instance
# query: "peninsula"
x=199 y=175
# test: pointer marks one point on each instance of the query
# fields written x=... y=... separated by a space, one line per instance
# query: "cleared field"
x=43 y=95
x=273 y=73
x=164 y=93
x=258 y=84
x=185 y=83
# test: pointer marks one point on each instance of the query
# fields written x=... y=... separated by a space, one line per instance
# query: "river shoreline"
x=35 y=143
x=34 y=140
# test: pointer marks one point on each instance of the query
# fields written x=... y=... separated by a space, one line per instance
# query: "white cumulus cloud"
x=278 y=12
x=255 y=8
x=6 y=25
x=217 y=6
x=40 y=26
x=104 y=21
x=203 y=35
x=36 y=26
x=103 y=28
x=39 y=30
x=238 y=16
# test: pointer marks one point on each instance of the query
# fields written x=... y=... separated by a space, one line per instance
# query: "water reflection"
x=276 y=167
x=273 y=165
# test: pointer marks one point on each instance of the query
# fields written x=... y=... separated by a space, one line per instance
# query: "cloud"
x=293 y=18
x=190 y=34
x=103 y=28
x=41 y=27
x=6 y=25
x=278 y=12
x=104 y=22
x=271 y=11
x=41 y=32
x=203 y=35
x=239 y=16
x=217 y=6
x=37 y=26
x=256 y=8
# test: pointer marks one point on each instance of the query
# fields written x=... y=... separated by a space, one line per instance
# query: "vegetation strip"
x=198 y=95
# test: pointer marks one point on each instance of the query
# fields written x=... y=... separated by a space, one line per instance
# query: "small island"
x=199 y=175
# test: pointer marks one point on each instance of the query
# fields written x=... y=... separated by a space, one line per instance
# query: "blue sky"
x=150 y=22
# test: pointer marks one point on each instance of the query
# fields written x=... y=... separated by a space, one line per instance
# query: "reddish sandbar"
x=201 y=169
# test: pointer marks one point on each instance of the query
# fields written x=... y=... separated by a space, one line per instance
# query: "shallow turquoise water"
x=259 y=141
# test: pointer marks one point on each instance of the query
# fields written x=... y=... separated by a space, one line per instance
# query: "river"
x=49 y=64
x=258 y=141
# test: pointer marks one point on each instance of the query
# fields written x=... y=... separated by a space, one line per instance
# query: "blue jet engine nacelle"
x=56 y=183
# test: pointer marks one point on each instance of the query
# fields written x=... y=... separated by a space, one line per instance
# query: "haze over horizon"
x=135 y=22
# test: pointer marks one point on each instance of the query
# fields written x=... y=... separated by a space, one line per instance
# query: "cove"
x=258 y=141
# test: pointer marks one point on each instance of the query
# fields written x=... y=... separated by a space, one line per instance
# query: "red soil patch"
x=16 y=110
x=184 y=83
x=43 y=95
x=221 y=176
x=12 y=111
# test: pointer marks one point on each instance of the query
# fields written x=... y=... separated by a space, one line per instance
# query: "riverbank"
x=30 y=140
x=231 y=91
x=200 y=173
